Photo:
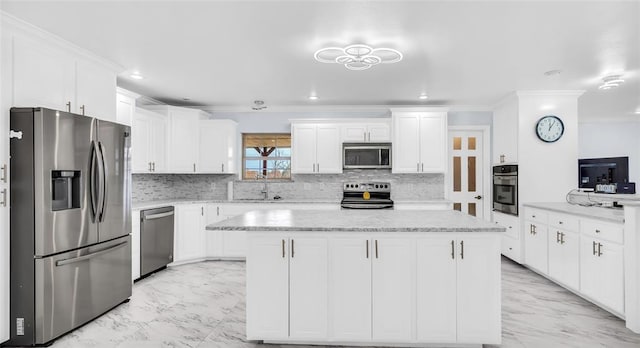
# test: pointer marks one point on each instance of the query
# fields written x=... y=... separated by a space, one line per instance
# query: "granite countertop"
x=356 y=221
x=166 y=202
x=606 y=214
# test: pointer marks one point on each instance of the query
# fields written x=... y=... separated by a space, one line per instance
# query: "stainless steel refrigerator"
x=70 y=222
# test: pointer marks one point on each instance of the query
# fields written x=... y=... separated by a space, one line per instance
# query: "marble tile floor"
x=202 y=305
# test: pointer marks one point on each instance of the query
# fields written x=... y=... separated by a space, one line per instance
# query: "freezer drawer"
x=75 y=287
x=156 y=239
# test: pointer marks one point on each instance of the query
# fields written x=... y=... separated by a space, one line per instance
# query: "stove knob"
x=376 y=186
x=386 y=186
x=356 y=185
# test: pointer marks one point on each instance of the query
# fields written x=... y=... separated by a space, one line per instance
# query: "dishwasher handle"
x=157 y=216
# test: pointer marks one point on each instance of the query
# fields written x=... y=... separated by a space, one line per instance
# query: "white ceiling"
x=225 y=54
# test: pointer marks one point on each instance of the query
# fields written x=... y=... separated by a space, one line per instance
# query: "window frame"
x=261 y=158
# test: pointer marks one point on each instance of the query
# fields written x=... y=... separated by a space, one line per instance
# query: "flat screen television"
x=594 y=171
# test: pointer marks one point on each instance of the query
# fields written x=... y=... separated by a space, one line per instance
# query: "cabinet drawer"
x=512 y=225
x=511 y=248
x=597 y=229
x=536 y=215
x=563 y=222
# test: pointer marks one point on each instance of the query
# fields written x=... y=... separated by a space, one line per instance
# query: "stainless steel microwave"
x=366 y=155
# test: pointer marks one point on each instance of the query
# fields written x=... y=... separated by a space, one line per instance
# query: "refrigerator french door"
x=70 y=222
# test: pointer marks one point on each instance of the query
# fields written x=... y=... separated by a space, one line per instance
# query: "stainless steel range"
x=368 y=195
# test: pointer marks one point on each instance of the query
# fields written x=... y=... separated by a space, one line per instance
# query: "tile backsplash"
x=149 y=187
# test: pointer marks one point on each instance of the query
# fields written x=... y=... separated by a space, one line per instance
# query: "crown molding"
x=345 y=108
x=11 y=23
x=568 y=93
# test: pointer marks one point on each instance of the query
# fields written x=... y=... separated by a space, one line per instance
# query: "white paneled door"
x=466 y=171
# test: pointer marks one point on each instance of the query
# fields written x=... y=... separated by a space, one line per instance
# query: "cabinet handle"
x=557 y=236
x=418 y=167
x=68 y=106
x=283 y=248
x=318 y=167
x=4 y=173
x=597 y=231
x=453 y=253
x=367 y=248
x=149 y=166
x=376 y=247
x=560 y=222
x=533 y=216
x=365 y=136
x=202 y=211
x=314 y=168
x=223 y=167
x=4 y=198
x=532 y=229
x=599 y=249
x=293 y=251
x=422 y=167
x=153 y=166
x=82 y=108
x=369 y=136
x=194 y=167
x=594 y=247
x=218 y=211
x=462 y=250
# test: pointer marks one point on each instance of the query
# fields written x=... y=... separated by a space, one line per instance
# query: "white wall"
x=615 y=139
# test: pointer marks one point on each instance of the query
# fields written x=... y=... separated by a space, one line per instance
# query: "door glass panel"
x=457 y=173
x=471 y=168
x=457 y=206
x=472 y=209
x=472 y=143
x=457 y=143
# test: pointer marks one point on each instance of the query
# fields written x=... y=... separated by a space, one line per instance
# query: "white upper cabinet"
x=54 y=74
x=419 y=141
x=184 y=138
x=149 y=142
x=125 y=106
x=218 y=140
x=316 y=148
x=377 y=132
x=95 y=92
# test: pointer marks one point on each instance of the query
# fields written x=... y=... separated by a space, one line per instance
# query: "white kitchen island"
x=371 y=277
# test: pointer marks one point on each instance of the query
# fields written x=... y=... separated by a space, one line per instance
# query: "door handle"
x=4 y=173
x=283 y=248
x=92 y=181
x=293 y=250
x=478 y=197
x=462 y=250
x=89 y=256
x=453 y=253
x=376 y=248
x=599 y=249
x=367 y=247
x=157 y=216
x=4 y=198
x=104 y=182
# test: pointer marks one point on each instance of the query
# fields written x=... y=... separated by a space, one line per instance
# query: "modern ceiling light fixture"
x=358 y=56
x=136 y=76
x=258 y=105
x=611 y=81
x=313 y=97
x=423 y=96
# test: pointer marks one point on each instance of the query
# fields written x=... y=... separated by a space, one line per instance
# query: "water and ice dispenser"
x=65 y=189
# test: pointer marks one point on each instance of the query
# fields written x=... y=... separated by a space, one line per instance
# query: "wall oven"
x=505 y=189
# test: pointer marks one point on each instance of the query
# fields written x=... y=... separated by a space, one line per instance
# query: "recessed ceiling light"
x=136 y=76
x=423 y=96
x=313 y=97
x=552 y=72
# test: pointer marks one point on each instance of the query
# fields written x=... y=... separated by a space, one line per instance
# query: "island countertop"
x=356 y=221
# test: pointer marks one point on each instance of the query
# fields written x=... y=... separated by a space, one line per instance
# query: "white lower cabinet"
x=350 y=288
x=308 y=287
x=564 y=257
x=268 y=288
x=535 y=246
x=374 y=288
x=189 y=238
x=393 y=289
x=601 y=272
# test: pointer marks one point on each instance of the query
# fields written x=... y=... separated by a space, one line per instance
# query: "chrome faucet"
x=265 y=188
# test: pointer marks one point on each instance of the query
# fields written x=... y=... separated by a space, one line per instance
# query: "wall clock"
x=549 y=128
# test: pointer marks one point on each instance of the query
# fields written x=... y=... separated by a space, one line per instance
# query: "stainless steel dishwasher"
x=156 y=239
